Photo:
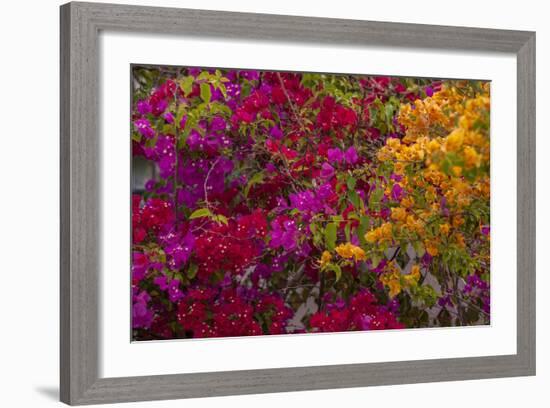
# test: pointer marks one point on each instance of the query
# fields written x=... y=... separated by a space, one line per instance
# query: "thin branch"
x=292 y=107
x=206 y=181
x=475 y=307
x=176 y=153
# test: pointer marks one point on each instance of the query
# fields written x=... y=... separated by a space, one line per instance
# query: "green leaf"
x=389 y=110
x=375 y=259
x=375 y=197
x=204 y=75
x=187 y=84
x=169 y=128
x=189 y=125
x=245 y=89
x=351 y=182
x=312 y=228
x=362 y=229
x=353 y=216
x=337 y=271
x=419 y=248
x=256 y=179
x=330 y=236
x=216 y=107
x=201 y=212
x=206 y=93
x=354 y=198
x=222 y=219
x=192 y=270
x=222 y=89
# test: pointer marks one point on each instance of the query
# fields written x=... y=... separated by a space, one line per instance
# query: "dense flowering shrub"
x=299 y=202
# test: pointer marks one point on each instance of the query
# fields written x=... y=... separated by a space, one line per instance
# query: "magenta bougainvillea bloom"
x=397 y=192
x=305 y=201
x=335 y=155
x=283 y=233
x=140 y=264
x=351 y=156
x=276 y=132
x=143 y=107
x=144 y=128
x=178 y=248
x=327 y=171
x=142 y=315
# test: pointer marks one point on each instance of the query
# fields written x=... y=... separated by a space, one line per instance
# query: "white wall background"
x=29 y=120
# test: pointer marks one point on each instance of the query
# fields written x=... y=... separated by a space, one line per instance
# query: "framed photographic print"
x=259 y=203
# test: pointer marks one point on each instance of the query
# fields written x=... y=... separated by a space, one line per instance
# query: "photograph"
x=268 y=202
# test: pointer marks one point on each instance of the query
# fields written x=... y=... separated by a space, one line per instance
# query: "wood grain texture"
x=79 y=195
x=203 y=23
x=80 y=233
x=526 y=201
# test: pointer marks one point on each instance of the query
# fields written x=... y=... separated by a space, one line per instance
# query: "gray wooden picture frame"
x=80 y=233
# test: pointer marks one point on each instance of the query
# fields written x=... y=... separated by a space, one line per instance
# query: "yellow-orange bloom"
x=444 y=229
x=415 y=271
x=460 y=240
x=398 y=214
x=326 y=257
x=454 y=141
x=371 y=237
x=395 y=287
x=407 y=202
x=433 y=146
x=392 y=279
x=431 y=248
x=458 y=221
x=349 y=250
x=457 y=171
x=471 y=157
x=413 y=277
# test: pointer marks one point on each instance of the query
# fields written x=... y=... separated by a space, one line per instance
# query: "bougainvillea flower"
x=396 y=192
x=283 y=233
x=218 y=124
x=286 y=202
x=305 y=201
x=351 y=156
x=140 y=264
x=327 y=171
x=142 y=316
x=335 y=155
x=143 y=107
x=174 y=291
x=168 y=117
x=179 y=249
x=144 y=128
x=276 y=132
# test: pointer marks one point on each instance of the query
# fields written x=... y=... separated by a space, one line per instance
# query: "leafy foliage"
x=288 y=203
